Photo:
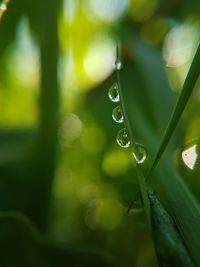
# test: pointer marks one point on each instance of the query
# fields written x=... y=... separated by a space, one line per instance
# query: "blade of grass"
x=183 y=207
x=180 y=203
x=186 y=92
x=140 y=174
x=47 y=143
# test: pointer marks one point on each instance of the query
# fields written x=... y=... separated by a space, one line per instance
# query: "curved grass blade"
x=180 y=203
x=186 y=92
x=23 y=245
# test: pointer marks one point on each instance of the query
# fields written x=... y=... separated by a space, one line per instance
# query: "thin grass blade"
x=140 y=173
x=181 y=103
x=180 y=203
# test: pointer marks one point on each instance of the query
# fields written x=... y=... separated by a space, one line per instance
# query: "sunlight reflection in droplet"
x=189 y=156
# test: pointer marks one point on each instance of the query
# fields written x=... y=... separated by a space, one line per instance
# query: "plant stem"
x=140 y=174
x=49 y=107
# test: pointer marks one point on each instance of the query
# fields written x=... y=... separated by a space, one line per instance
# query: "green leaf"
x=19 y=241
x=168 y=242
x=149 y=67
x=22 y=245
x=181 y=204
x=183 y=207
x=140 y=174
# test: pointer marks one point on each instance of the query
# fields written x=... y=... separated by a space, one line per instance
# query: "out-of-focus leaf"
x=182 y=206
x=17 y=188
x=9 y=23
x=21 y=245
x=16 y=144
x=186 y=92
x=19 y=242
x=150 y=69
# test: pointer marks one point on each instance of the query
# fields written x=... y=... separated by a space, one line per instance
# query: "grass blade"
x=140 y=174
x=182 y=206
x=180 y=203
x=186 y=92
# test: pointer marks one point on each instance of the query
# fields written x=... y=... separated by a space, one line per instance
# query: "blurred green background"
x=59 y=162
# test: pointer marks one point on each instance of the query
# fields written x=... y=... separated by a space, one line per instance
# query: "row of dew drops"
x=139 y=151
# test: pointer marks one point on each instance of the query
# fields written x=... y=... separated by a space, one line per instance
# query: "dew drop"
x=139 y=153
x=113 y=93
x=190 y=156
x=118 y=64
x=117 y=115
x=123 y=138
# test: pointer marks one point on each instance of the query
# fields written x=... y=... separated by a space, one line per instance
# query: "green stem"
x=49 y=108
x=140 y=174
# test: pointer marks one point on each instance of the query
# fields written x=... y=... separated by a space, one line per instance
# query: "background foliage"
x=61 y=171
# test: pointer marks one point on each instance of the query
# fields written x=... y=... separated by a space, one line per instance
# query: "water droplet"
x=118 y=64
x=113 y=93
x=139 y=153
x=190 y=156
x=123 y=138
x=117 y=115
